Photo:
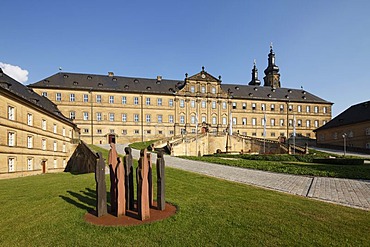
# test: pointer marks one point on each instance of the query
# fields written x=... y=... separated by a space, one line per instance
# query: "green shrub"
x=340 y=161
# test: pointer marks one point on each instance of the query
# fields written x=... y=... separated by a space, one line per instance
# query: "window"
x=290 y=122
x=160 y=118
x=111 y=99
x=182 y=119
x=299 y=108
x=55 y=163
x=350 y=133
x=43 y=144
x=204 y=104
x=323 y=122
x=214 y=120
x=86 y=131
x=98 y=116
x=43 y=124
x=64 y=163
x=170 y=118
x=272 y=107
x=213 y=104
x=64 y=131
x=263 y=121
x=254 y=121
x=224 y=120
x=124 y=100
x=213 y=90
x=148 y=131
x=368 y=145
x=253 y=106
x=192 y=119
x=147 y=117
x=290 y=107
x=45 y=94
x=272 y=121
x=29 y=164
x=263 y=107
x=335 y=135
x=29 y=142
x=244 y=121
x=136 y=118
x=308 y=123
x=11 y=113
x=11 y=139
x=234 y=105
x=234 y=119
x=299 y=123
x=272 y=134
x=182 y=103
x=136 y=100
x=244 y=106
x=367 y=131
x=192 y=89
x=99 y=131
x=147 y=101
x=98 y=98
x=86 y=98
x=124 y=117
x=308 y=108
x=111 y=117
x=72 y=115
x=203 y=89
x=64 y=148
x=124 y=132
x=316 y=109
x=325 y=109
x=29 y=119
x=204 y=119
x=224 y=105
x=254 y=134
x=54 y=128
x=192 y=103
x=159 y=101
x=111 y=131
x=11 y=164
x=58 y=97
x=136 y=132
x=55 y=146
x=170 y=102
x=316 y=123
x=281 y=107
x=281 y=122
x=85 y=115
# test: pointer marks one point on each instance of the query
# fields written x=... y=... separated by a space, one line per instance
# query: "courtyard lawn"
x=290 y=167
x=48 y=210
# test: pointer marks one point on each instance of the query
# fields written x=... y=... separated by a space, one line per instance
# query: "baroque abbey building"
x=123 y=109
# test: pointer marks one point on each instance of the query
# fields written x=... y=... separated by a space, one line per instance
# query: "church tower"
x=255 y=81
x=272 y=76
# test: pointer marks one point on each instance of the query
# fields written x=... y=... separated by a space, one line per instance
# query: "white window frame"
x=86 y=98
x=11 y=139
x=29 y=119
x=124 y=100
x=111 y=99
x=85 y=115
x=111 y=117
x=11 y=113
x=124 y=117
x=29 y=141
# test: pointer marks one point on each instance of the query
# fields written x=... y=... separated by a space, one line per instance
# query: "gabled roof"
x=273 y=94
x=16 y=89
x=79 y=81
x=355 y=114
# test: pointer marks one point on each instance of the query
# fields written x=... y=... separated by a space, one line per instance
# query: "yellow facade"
x=146 y=115
x=31 y=137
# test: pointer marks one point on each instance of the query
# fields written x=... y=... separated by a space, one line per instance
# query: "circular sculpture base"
x=131 y=218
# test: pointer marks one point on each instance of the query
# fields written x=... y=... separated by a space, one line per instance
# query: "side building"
x=34 y=136
x=126 y=109
x=350 y=130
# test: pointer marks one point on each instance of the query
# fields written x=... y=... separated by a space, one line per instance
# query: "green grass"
x=141 y=145
x=48 y=210
x=292 y=167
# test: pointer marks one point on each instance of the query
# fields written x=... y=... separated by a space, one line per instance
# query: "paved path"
x=348 y=192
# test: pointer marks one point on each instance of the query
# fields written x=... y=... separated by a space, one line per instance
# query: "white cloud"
x=15 y=72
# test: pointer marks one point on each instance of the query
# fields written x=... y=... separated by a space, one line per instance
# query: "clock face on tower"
x=203 y=76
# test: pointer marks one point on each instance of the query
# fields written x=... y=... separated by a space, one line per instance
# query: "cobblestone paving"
x=348 y=192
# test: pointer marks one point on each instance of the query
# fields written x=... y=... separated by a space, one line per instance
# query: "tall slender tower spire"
x=255 y=81
x=272 y=76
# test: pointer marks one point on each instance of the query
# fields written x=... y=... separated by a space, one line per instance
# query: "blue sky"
x=323 y=46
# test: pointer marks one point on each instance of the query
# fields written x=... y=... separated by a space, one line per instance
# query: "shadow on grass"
x=84 y=200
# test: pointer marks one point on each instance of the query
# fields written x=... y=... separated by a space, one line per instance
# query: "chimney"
x=110 y=74
x=159 y=78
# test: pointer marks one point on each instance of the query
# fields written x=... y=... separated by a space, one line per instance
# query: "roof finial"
x=203 y=68
x=254 y=62
x=271 y=45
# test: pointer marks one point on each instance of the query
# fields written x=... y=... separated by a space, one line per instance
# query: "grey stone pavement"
x=347 y=192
